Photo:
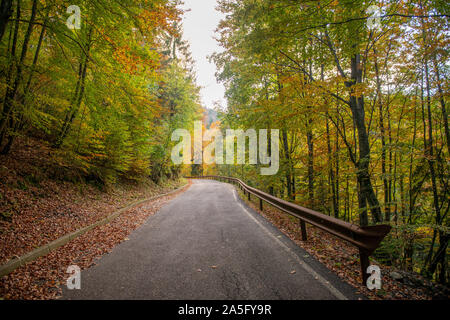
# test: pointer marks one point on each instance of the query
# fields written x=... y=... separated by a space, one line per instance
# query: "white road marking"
x=304 y=265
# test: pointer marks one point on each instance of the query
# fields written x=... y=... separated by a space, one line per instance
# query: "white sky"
x=199 y=25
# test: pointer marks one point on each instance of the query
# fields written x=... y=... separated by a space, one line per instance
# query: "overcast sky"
x=199 y=25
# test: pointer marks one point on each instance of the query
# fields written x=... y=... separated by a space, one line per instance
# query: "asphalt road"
x=207 y=244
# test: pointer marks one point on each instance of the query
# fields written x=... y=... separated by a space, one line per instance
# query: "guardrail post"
x=367 y=239
x=303 y=229
x=364 y=260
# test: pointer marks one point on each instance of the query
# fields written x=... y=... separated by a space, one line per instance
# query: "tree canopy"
x=105 y=96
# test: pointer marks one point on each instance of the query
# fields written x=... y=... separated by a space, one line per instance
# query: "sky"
x=198 y=26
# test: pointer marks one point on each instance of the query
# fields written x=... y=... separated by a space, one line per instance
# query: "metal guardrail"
x=366 y=239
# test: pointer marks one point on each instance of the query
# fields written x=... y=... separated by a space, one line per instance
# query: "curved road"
x=207 y=244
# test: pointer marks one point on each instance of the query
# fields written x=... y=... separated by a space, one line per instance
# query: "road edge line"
x=338 y=294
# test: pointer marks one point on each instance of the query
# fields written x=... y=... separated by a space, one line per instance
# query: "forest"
x=361 y=106
x=106 y=96
x=361 y=110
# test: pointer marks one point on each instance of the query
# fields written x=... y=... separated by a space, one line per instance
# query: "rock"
x=407 y=281
x=396 y=276
x=418 y=282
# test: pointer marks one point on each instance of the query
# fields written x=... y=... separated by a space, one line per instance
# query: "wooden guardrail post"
x=303 y=230
x=260 y=204
x=365 y=262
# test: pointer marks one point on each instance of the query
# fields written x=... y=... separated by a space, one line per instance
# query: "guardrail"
x=366 y=239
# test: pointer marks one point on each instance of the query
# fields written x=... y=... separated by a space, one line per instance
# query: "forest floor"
x=343 y=259
x=37 y=208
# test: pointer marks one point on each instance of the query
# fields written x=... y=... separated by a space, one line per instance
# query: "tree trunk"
x=8 y=118
x=17 y=124
x=366 y=194
x=9 y=75
x=442 y=102
x=337 y=168
x=430 y=157
x=78 y=98
x=387 y=210
x=309 y=137
x=5 y=14
x=331 y=172
x=288 y=164
x=36 y=54
x=439 y=263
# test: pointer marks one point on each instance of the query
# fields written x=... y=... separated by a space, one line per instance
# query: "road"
x=207 y=244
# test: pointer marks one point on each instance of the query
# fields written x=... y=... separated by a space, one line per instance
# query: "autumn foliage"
x=364 y=132
x=101 y=96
